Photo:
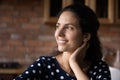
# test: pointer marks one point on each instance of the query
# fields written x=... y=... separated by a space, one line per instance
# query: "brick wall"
x=110 y=36
x=24 y=36
x=110 y=39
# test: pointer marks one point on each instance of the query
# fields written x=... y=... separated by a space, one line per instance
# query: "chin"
x=61 y=49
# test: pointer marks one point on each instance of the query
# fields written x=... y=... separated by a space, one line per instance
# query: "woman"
x=79 y=49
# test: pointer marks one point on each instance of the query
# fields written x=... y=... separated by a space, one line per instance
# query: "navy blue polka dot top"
x=47 y=68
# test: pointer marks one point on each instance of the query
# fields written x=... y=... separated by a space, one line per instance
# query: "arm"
x=78 y=55
x=80 y=75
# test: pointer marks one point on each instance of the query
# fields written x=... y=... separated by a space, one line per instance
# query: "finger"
x=85 y=45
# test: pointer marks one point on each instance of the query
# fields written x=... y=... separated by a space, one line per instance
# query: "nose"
x=60 y=32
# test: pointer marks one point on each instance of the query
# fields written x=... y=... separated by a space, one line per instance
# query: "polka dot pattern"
x=100 y=71
x=47 y=68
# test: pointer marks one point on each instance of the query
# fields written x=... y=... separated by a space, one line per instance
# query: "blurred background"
x=27 y=32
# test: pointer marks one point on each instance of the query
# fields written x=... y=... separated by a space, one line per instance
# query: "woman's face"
x=68 y=33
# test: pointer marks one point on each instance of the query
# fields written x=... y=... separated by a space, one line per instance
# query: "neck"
x=63 y=60
x=84 y=64
x=66 y=56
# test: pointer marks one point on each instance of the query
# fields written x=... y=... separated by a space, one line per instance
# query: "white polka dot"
x=37 y=59
x=91 y=79
x=94 y=73
x=91 y=72
x=39 y=64
x=43 y=58
x=95 y=67
x=19 y=75
x=53 y=57
x=100 y=62
x=46 y=76
x=33 y=71
x=27 y=72
x=52 y=73
x=105 y=72
x=53 y=64
x=40 y=71
x=28 y=78
x=62 y=77
x=49 y=59
x=32 y=65
x=49 y=66
x=103 y=65
x=67 y=74
x=57 y=70
x=99 y=76
x=104 y=78
x=100 y=70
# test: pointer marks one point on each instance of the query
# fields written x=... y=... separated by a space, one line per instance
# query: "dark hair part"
x=89 y=24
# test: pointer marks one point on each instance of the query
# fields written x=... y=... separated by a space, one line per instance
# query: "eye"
x=70 y=27
x=57 y=26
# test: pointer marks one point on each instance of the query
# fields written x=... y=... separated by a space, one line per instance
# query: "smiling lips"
x=61 y=42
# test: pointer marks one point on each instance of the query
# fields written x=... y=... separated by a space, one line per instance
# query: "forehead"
x=68 y=17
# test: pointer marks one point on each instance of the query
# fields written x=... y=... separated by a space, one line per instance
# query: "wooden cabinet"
x=108 y=11
x=104 y=9
x=7 y=76
x=117 y=10
x=10 y=74
x=52 y=7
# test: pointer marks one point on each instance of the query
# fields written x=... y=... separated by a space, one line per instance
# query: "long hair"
x=89 y=24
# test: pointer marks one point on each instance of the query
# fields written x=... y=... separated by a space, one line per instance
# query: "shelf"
x=12 y=71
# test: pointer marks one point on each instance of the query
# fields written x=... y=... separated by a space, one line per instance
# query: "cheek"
x=77 y=40
x=55 y=34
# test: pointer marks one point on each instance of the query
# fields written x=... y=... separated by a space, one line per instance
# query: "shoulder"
x=41 y=63
x=45 y=59
x=100 y=70
x=100 y=65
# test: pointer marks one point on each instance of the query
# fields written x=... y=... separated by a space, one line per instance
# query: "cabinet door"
x=117 y=7
x=104 y=9
x=52 y=8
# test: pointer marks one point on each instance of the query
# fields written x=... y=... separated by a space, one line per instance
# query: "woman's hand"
x=79 y=53
x=76 y=61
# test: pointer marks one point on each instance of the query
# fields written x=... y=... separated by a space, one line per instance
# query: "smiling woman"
x=67 y=32
x=79 y=52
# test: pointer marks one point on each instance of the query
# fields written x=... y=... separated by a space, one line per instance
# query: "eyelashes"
x=65 y=27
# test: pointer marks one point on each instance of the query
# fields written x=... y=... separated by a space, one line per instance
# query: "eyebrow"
x=67 y=24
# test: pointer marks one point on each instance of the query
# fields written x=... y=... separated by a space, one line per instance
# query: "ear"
x=86 y=36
